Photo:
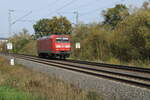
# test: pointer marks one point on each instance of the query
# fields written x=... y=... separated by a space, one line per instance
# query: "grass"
x=112 y=60
x=138 y=63
x=20 y=81
x=8 y=93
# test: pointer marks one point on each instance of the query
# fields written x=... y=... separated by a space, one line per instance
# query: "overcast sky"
x=89 y=11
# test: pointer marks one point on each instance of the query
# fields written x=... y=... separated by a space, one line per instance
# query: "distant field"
x=20 y=83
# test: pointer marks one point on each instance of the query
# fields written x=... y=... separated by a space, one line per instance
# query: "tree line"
x=123 y=35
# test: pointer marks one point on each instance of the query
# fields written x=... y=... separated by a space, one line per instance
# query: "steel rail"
x=114 y=66
x=130 y=79
x=91 y=68
x=133 y=68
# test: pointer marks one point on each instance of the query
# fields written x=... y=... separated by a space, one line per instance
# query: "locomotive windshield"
x=62 y=40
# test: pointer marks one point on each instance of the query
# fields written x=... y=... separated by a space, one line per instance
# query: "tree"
x=114 y=15
x=145 y=5
x=131 y=40
x=93 y=40
x=20 y=40
x=56 y=25
x=42 y=27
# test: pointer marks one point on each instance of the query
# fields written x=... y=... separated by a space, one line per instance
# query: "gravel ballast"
x=108 y=89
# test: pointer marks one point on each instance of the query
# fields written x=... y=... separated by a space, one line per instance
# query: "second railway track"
x=134 y=76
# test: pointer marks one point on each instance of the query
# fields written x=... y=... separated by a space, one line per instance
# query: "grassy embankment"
x=20 y=83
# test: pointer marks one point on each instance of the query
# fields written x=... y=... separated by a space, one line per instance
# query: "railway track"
x=129 y=75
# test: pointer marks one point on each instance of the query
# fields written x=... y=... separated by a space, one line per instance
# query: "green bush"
x=20 y=40
x=30 y=48
x=94 y=44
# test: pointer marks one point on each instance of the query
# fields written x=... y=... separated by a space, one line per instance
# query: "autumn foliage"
x=127 y=41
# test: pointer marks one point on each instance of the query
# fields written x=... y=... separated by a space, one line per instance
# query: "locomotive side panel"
x=43 y=45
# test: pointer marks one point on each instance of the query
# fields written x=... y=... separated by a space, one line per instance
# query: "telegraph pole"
x=19 y=19
x=9 y=20
x=77 y=17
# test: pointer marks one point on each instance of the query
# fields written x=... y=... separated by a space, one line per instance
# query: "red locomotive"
x=54 y=46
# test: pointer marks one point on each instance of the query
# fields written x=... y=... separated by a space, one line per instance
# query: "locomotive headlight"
x=67 y=46
x=58 y=46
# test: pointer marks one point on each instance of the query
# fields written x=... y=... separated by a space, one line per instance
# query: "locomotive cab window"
x=65 y=40
x=62 y=40
x=58 y=40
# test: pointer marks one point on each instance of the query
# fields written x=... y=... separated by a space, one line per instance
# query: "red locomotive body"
x=54 y=46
